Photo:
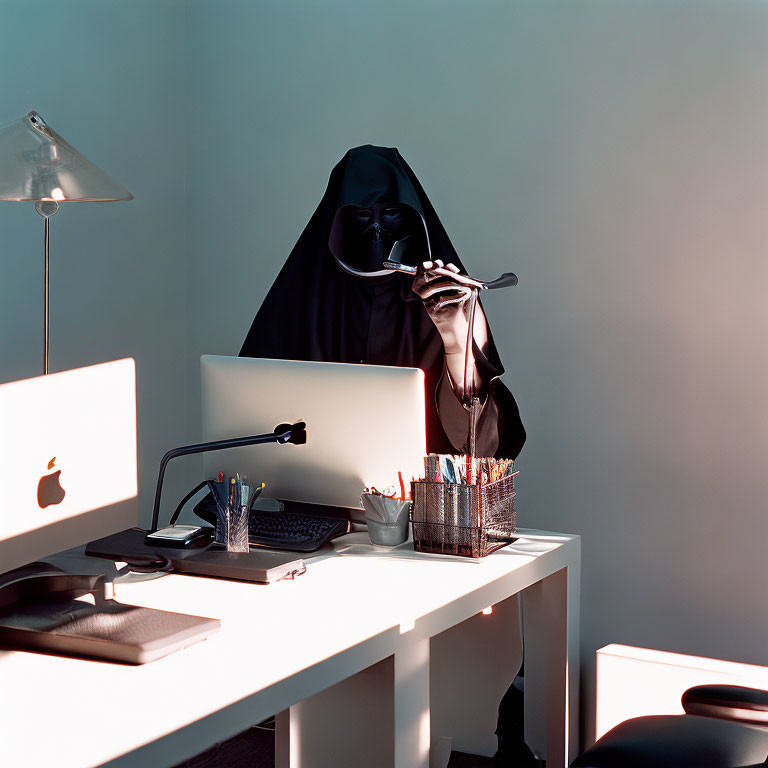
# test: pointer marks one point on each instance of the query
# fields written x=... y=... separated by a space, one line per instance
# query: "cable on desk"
x=198 y=487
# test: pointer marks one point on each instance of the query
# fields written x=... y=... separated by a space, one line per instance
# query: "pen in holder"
x=231 y=516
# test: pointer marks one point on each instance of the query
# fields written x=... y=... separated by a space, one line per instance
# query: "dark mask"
x=365 y=237
x=373 y=231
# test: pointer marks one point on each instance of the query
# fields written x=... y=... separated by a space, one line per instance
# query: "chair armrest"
x=728 y=702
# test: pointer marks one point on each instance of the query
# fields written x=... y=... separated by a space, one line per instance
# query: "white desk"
x=362 y=615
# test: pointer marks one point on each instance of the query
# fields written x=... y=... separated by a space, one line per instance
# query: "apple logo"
x=49 y=490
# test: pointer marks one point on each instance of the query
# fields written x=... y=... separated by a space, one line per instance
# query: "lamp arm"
x=283 y=433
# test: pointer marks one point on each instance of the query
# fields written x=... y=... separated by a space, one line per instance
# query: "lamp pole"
x=46 y=208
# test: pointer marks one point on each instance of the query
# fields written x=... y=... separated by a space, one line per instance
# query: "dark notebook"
x=260 y=565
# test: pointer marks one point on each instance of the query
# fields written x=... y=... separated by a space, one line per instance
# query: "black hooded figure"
x=333 y=301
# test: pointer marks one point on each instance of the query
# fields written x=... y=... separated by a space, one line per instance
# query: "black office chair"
x=725 y=726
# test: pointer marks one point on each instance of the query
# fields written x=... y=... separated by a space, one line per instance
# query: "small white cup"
x=387 y=519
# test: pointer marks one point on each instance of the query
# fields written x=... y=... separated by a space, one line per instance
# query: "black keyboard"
x=292 y=530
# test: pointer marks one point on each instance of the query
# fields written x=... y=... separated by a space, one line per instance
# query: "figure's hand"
x=445 y=298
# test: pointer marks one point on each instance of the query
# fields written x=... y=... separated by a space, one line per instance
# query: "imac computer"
x=67 y=460
x=365 y=424
x=69 y=474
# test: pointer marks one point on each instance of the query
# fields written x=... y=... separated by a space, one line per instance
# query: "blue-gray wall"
x=109 y=77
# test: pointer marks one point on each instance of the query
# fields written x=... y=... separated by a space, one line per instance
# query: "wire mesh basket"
x=460 y=519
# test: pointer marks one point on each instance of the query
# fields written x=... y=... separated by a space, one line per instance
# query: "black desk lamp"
x=283 y=433
x=264 y=566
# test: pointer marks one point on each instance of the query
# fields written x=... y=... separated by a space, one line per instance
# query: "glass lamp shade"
x=38 y=164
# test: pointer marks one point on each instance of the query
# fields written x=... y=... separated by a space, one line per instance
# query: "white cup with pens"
x=387 y=515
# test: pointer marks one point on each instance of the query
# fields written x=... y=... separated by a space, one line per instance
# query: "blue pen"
x=447 y=469
x=238 y=491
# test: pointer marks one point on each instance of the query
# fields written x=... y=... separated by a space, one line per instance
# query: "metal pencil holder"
x=465 y=520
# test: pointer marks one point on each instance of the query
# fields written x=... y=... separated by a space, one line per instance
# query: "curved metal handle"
x=508 y=279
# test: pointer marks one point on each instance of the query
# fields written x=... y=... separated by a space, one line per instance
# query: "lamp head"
x=38 y=165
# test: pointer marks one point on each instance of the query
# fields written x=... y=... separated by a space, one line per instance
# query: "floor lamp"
x=37 y=165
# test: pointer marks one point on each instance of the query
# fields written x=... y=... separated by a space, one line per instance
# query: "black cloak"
x=317 y=311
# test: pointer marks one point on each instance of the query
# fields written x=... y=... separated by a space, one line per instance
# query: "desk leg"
x=349 y=725
x=412 y=727
x=283 y=732
x=551 y=628
x=377 y=718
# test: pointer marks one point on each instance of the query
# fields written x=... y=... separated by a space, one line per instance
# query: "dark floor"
x=463 y=760
x=255 y=748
